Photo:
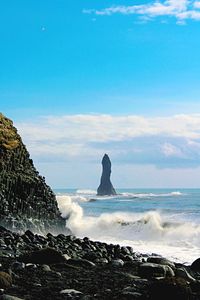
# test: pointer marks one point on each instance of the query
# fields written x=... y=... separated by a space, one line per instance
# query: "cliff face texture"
x=26 y=201
x=106 y=187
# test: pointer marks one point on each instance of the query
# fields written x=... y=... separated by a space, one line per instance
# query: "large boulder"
x=152 y=270
x=170 y=288
x=195 y=266
x=43 y=256
x=106 y=187
x=26 y=201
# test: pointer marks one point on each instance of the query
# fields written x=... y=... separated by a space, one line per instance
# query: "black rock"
x=97 y=273
x=43 y=256
x=195 y=266
x=80 y=263
x=5 y=280
x=161 y=261
x=170 y=288
x=24 y=194
x=106 y=187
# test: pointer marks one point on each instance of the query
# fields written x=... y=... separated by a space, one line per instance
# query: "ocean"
x=161 y=221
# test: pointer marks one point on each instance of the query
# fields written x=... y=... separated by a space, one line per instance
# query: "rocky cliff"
x=106 y=187
x=26 y=201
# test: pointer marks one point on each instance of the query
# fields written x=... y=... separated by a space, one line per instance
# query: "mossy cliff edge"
x=26 y=201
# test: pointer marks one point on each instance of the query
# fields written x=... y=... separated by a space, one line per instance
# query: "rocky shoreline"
x=57 y=266
x=66 y=267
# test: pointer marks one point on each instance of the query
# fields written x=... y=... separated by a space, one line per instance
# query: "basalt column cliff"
x=106 y=187
x=26 y=201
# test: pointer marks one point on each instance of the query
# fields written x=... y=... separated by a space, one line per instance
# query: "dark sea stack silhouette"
x=106 y=187
x=26 y=201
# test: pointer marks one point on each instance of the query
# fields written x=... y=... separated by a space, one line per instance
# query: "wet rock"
x=117 y=263
x=43 y=256
x=9 y=297
x=101 y=260
x=181 y=272
x=17 y=266
x=66 y=256
x=30 y=235
x=45 y=268
x=2 y=244
x=150 y=270
x=128 y=258
x=170 y=288
x=70 y=292
x=81 y=263
x=195 y=287
x=128 y=295
x=195 y=266
x=5 y=280
x=30 y=266
x=161 y=261
x=131 y=289
x=92 y=256
x=125 y=251
x=107 y=277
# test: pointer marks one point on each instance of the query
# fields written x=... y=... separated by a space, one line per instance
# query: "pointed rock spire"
x=106 y=187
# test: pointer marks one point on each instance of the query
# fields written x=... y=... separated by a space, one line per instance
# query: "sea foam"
x=86 y=192
x=147 y=232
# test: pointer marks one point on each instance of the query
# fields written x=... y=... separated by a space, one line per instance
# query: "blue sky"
x=98 y=62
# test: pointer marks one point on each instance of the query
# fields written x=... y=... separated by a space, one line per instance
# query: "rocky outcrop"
x=26 y=201
x=66 y=267
x=106 y=187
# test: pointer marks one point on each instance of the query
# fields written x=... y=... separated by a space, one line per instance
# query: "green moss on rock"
x=9 y=139
x=5 y=280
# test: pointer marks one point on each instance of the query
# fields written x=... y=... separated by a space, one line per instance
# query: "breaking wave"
x=150 y=231
x=86 y=192
x=132 y=196
x=148 y=195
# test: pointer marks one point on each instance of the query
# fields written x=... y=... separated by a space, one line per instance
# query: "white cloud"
x=171 y=150
x=104 y=128
x=192 y=14
x=196 y=4
x=180 y=9
x=133 y=138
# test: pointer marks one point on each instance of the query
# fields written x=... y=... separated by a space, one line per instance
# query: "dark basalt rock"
x=106 y=187
x=26 y=201
x=196 y=265
x=43 y=256
x=171 y=288
x=5 y=280
x=32 y=270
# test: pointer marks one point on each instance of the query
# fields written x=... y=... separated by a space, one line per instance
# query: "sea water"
x=165 y=222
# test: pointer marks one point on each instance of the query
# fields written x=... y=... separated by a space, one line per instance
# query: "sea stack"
x=26 y=201
x=106 y=187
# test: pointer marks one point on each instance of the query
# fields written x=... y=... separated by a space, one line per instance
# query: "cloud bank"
x=181 y=10
x=164 y=142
